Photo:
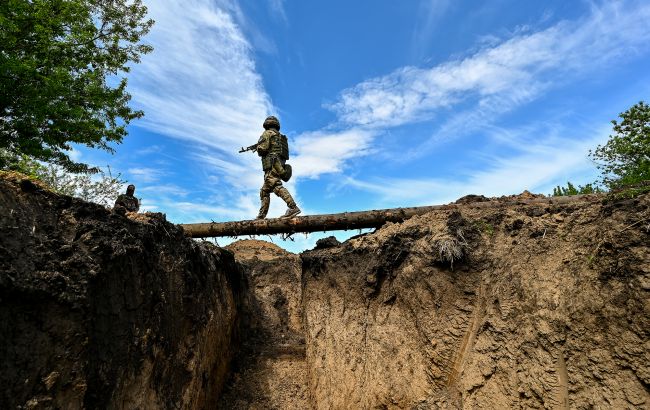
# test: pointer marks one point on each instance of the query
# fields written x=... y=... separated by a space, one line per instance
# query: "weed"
x=484 y=226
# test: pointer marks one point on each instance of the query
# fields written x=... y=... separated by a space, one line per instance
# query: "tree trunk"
x=346 y=220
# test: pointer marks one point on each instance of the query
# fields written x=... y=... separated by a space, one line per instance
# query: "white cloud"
x=200 y=83
x=326 y=152
x=146 y=175
x=519 y=68
x=539 y=163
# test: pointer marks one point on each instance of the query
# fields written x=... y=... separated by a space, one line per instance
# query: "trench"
x=548 y=308
x=270 y=369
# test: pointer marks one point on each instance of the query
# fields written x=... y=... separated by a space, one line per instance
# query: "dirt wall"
x=544 y=307
x=99 y=310
x=511 y=306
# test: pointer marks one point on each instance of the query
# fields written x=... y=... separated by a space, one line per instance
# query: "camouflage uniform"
x=268 y=147
x=127 y=202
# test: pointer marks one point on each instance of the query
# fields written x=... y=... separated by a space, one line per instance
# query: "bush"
x=100 y=187
x=570 y=189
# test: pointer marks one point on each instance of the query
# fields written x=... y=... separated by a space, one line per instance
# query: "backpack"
x=284 y=147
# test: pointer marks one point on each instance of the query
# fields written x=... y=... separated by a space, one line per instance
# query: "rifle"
x=251 y=148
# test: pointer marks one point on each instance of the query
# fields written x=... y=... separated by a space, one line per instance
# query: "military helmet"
x=288 y=172
x=271 y=122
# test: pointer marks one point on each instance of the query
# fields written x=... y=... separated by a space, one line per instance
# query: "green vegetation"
x=101 y=187
x=570 y=189
x=625 y=158
x=484 y=226
x=59 y=84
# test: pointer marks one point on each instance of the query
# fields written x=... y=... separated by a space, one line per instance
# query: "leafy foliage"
x=102 y=188
x=58 y=62
x=570 y=189
x=22 y=163
x=625 y=158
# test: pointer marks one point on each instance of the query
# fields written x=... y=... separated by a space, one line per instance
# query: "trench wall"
x=99 y=310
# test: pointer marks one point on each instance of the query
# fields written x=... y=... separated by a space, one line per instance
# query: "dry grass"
x=451 y=249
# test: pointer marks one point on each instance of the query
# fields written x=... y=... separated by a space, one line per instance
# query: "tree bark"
x=346 y=220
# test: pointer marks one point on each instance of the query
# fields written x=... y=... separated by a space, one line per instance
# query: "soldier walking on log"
x=273 y=148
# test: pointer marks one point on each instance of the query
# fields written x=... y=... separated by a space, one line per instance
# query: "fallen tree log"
x=347 y=220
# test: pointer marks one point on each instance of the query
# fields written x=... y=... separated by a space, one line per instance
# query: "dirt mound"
x=101 y=311
x=248 y=249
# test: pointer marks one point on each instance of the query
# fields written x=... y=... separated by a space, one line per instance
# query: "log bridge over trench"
x=350 y=220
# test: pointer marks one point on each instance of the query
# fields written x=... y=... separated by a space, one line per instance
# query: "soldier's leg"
x=265 y=199
x=283 y=193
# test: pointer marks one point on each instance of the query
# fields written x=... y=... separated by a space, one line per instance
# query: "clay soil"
x=270 y=371
x=545 y=306
x=104 y=311
x=515 y=305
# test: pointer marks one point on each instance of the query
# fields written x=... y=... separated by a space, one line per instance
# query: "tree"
x=570 y=189
x=59 y=67
x=625 y=158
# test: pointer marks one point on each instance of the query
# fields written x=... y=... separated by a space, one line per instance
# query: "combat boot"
x=286 y=197
x=292 y=211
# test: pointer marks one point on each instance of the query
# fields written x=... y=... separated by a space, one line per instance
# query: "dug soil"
x=495 y=303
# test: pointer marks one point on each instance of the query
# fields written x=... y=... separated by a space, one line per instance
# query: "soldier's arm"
x=118 y=202
x=264 y=143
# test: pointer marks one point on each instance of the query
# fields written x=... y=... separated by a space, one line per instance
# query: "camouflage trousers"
x=273 y=183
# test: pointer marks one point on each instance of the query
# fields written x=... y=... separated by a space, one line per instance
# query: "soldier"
x=273 y=148
x=127 y=202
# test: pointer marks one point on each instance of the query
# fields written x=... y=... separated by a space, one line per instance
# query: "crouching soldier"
x=127 y=202
x=273 y=148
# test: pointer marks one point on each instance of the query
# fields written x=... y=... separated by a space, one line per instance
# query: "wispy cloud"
x=146 y=175
x=277 y=7
x=200 y=84
x=541 y=159
x=515 y=70
x=326 y=152
x=430 y=12
x=172 y=190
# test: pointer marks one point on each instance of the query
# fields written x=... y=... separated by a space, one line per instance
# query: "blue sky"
x=385 y=103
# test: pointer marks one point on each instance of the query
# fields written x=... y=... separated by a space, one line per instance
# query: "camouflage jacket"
x=130 y=203
x=265 y=143
x=273 y=143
